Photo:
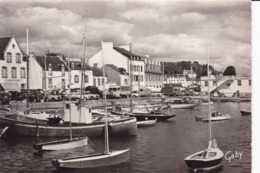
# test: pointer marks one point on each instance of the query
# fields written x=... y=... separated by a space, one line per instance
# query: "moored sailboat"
x=211 y=157
x=96 y=160
x=64 y=143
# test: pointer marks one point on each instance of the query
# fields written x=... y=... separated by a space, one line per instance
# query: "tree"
x=230 y=71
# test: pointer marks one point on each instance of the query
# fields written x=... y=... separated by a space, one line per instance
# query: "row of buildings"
x=122 y=68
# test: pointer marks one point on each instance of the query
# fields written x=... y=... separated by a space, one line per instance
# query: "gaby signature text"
x=233 y=155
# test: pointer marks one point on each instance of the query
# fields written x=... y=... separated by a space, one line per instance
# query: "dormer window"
x=18 y=58
x=62 y=70
x=9 y=57
x=72 y=65
x=50 y=70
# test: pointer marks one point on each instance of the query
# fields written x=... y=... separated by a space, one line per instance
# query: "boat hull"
x=183 y=106
x=219 y=118
x=93 y=161
x=125 y=126
x=151 y=117
x=245 y=113
x=146 y=123
x=61 y=144
x=199 y=161
x=203 y=165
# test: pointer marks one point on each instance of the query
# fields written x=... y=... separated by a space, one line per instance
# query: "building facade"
x=153 y=73
x=76 y=74
x=176 y=79
x=117 y=76
x=121 y=57
x=227 y=85
x=12 y=65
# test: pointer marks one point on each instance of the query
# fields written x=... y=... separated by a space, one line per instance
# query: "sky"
x=169 y=31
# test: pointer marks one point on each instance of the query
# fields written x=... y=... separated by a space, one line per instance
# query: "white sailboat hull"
x=92 y=161
x=218 y=118
x=62 y=144
x=146 y=123
x=183 y=106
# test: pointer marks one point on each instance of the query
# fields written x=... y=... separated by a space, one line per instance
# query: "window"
x=76 y=79
x=134 y=67
x=49 y=83
x=141 y=68
x=239 y=82
x=103 y=81
x=63 y=83
x=206 y=83
x=228 y=84
x=94 y=82
x=14 y=73
x=142 y=78
x=125 y=81
x=98 y=82
x=18 y=58
x=62 y=70
x=9 y=57
x=72 y=66
x=50 y=70
x=138 y=68
x=4 y=72
x=86 y=78
x=249 y=82
x=22 y=72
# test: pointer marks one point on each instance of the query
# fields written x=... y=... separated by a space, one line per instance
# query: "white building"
x=153 y=73
x=190 y=73
x=12 y=65
x=176 y=79
x=120 y=57
x=48 y=72
x=117 y=76
x=76 y=75
x=228 y=85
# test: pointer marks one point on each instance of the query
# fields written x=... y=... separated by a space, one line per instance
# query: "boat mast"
x=105 y=99
x=209 y=114
x=139 y=85
x=83 y=69
x=131 y=85
x=27 y=71
x=69 y=69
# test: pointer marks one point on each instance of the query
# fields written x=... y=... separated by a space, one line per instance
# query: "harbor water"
x=160 y=148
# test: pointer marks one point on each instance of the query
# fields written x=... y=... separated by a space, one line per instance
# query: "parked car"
x=157 y=94
x=89 y=96
x=54 y=96
x=94 y=90
x=5 y=97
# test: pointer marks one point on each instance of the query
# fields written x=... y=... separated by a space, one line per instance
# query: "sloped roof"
x=55 y=62
x=3 y=43
x=127 y=53
x=77 y=66
x=118 y=69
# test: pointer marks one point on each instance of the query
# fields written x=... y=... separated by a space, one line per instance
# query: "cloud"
x=166 y=30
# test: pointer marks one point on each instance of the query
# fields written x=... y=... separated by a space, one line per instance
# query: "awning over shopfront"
x=10 y=86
